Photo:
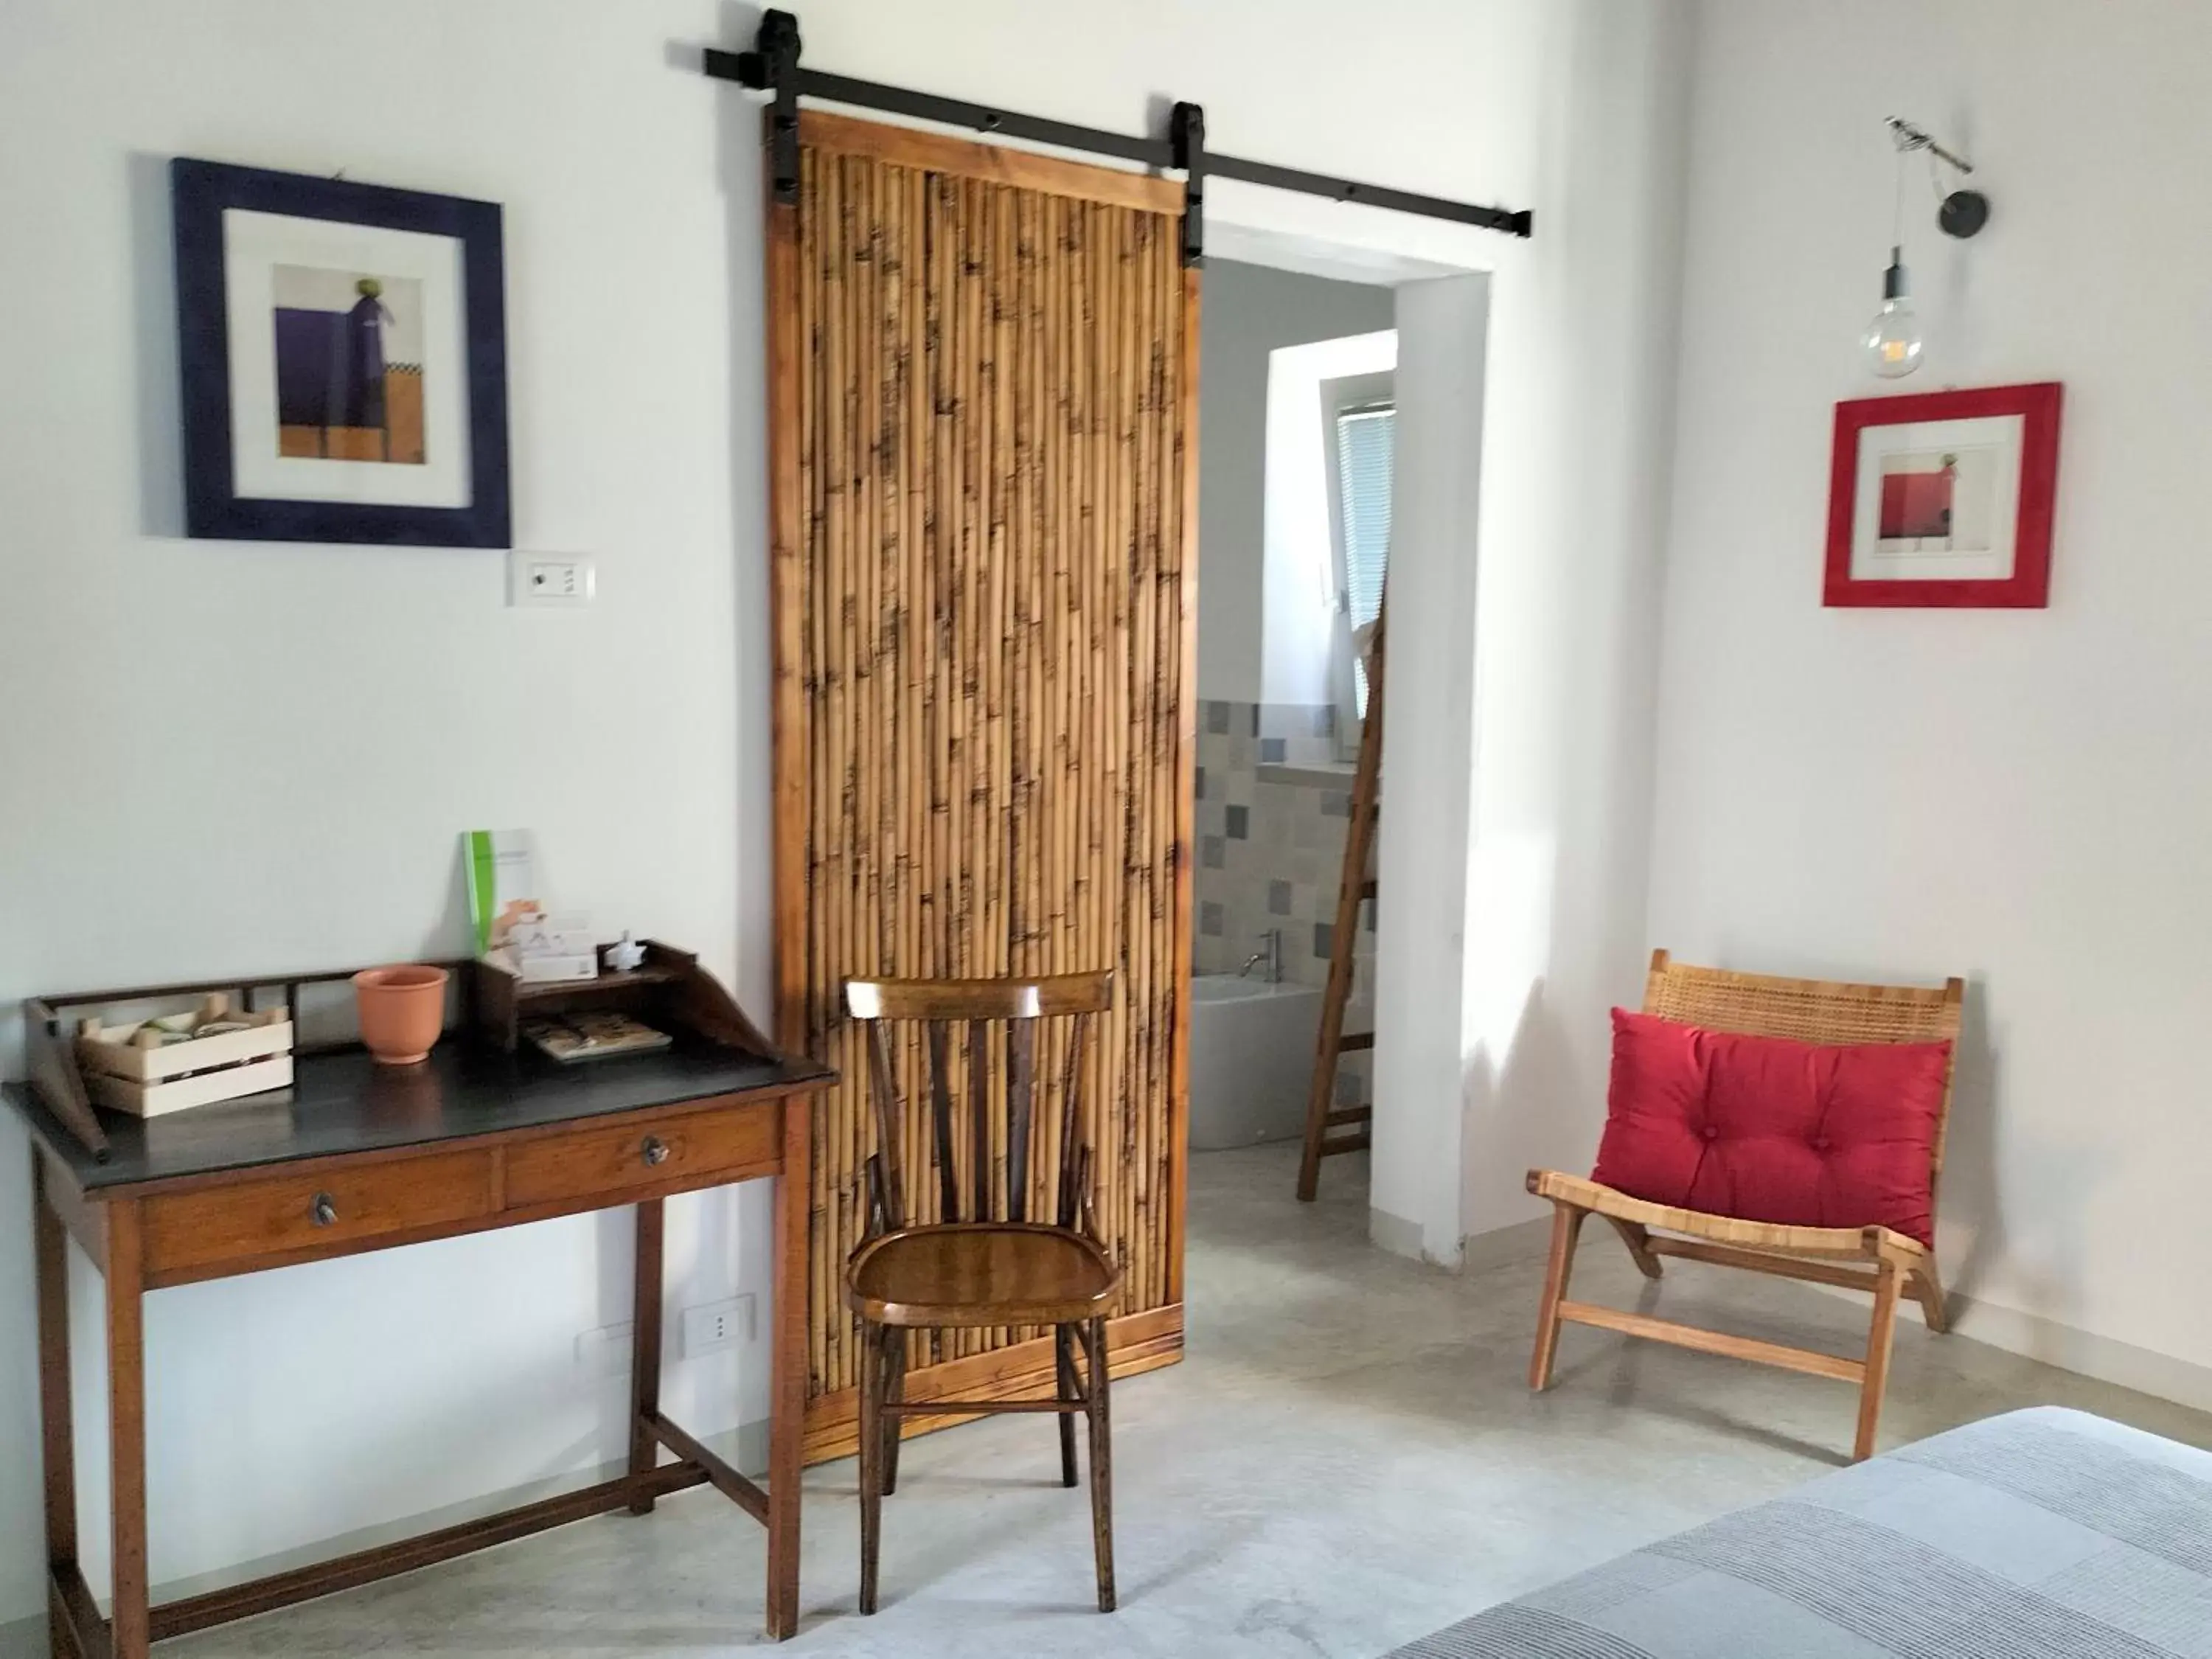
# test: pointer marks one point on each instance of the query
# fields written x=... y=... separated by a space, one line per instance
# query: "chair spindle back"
x=940 y=1006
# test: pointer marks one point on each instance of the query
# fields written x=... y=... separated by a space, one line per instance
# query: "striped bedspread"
x=2040 y=1534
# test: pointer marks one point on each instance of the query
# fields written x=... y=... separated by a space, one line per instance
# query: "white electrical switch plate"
x=714 y=1325
x=562 y=578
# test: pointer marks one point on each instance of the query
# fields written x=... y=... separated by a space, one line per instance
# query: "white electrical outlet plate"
x=714 y=1326
x=551 y=579
x=605 y=1352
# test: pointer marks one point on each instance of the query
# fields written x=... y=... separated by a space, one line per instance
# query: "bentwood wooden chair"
x=1878 y=1260
x=947 y=1252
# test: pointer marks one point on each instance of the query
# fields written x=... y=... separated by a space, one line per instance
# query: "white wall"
x=1525 y=581
x=1251 y=311
x=1571 y=510
x=1423 y=1047
x=232 y=757
x=386 y=699
x=2018 y=797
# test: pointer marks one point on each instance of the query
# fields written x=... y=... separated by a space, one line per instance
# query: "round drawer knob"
x=655 y=1149
x=324 y=1210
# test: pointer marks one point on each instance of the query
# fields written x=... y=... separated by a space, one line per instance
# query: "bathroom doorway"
x=1296 y=420
x=1340 y=404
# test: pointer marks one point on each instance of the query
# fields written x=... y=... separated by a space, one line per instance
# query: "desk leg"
x=126 y=1425
x=51 y=1244
x=788 y=1367
x=645 y=1350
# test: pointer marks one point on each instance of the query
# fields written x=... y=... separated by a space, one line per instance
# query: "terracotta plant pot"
x=402 y=1009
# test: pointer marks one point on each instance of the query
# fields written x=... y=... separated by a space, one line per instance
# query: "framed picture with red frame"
x=1944 y=498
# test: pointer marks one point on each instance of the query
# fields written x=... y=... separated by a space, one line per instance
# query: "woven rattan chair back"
x=1813 y=1010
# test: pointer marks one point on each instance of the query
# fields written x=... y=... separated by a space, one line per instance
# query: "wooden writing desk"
x=355 y=1156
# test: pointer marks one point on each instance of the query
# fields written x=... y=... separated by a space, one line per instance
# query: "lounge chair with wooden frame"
x=1875 y=1259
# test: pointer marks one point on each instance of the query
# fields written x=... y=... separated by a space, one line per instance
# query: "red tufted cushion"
x=1770 y=1129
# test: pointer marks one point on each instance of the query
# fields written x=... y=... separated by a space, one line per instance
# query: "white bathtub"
x=1251 y=1060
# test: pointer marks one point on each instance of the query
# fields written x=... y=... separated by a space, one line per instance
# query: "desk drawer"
x=697 y=1148
x=300 y=1215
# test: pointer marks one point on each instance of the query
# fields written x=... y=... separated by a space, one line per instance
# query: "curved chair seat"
x=1852 y=1244
x=980 y=1272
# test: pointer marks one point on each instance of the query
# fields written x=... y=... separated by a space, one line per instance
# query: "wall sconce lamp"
x=1893 y=341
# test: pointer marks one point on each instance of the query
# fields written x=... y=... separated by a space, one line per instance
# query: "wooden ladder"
x=1322 y=1114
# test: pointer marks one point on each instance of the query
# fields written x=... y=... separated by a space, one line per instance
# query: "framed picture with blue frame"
x=342 y=354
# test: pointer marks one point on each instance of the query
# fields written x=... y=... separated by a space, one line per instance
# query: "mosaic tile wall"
x=1271 y=852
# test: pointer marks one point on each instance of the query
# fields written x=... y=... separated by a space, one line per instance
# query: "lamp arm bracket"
x=1911 y=137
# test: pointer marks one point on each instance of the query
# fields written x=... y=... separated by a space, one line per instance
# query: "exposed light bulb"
x=1892 y=340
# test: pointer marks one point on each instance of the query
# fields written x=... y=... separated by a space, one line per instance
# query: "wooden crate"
x=123 y=1070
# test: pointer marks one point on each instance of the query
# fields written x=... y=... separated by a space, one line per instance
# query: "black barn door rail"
x=773 y=67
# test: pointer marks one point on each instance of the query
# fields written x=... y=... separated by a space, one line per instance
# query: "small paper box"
x=542 y=967
x=123 y=1069
x=544 y=970
x=552 y=936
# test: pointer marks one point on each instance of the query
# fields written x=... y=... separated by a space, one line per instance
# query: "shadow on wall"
x=1538 y=1065
x=2036 y=1280
x=154 y=303
x=1968 y=1200
x=738 y=129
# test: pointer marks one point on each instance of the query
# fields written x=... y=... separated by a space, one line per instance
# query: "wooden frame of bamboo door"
x=1148 y=1330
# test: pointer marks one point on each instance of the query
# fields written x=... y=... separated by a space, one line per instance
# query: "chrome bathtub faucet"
x=1271 y=953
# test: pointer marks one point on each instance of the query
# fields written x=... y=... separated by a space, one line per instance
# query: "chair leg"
x=1567 y=1226
x=1639 y=1241
x=894 y=1342
x=1877 y=1360
x=1928 y=1290
x=1102 y=1462
x=872 y=1456
x=1063 y=1356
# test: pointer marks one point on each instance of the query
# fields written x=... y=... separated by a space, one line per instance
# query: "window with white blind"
x=1361 y=429
x=1363 y=474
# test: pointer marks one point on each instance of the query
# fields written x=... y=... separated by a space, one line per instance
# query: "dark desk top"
x=344 y=1102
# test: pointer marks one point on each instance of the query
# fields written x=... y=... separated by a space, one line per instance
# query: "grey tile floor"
x=1347 y=1458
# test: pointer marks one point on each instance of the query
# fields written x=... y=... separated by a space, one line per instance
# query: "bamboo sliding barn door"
x=982 y=382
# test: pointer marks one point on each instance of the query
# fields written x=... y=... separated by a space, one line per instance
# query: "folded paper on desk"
x=507 y=906
x=502 y=866
x=593 y=1034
